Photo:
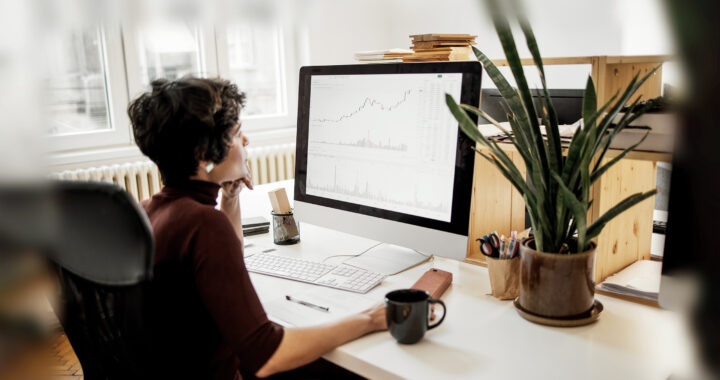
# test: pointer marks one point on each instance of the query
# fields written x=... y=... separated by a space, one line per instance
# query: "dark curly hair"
x=179 y=123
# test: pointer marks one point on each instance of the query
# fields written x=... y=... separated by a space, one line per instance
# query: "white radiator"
x=272 y=163
x=142 y=179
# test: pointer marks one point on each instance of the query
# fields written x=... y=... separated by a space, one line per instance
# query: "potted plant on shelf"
x=556 y=276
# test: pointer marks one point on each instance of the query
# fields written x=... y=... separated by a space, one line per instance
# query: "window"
x=85 y=88
x=257 y=55
x=76 y=90
x=254 y=64
x=169 y=50
x=97 y=70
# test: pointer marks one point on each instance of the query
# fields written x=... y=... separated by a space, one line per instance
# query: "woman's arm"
x=230 y=201
x=300 y=346
x=230 y=206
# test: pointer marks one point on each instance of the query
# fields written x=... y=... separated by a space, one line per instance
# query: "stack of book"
x=255 y=225
x=441 y=47
x=382 y=56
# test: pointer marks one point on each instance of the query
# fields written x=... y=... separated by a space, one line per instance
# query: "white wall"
x=335 y=29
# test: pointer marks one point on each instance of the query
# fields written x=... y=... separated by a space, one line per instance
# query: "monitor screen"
x=384 y=140
x=379 y=152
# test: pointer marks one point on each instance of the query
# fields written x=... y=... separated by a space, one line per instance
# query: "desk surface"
x=481 y=337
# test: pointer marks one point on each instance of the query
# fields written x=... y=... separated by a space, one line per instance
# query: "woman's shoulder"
x=185 y=211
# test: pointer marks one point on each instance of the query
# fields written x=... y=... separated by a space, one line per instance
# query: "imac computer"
x=379 y=155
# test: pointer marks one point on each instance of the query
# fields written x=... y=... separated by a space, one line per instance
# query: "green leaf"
x=551 y=126
x=511 y=98
x=484 y=115
x=513 y=58
x=468 y=127
x=599 y=172
x=589 y=104
x=578 y=209
x=596 y=227
x=629 y=92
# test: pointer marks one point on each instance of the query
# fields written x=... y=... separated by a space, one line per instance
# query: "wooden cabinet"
x=497 y=206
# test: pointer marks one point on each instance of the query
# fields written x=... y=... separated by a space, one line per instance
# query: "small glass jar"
x=286 y=230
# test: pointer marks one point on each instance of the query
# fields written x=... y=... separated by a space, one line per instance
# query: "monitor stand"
x=388 y=259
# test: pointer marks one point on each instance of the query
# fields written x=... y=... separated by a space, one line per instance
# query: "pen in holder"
x=285 y=230
x=503 y=264
x=504 y=277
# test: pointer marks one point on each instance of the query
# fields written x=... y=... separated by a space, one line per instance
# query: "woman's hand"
x=378 y=322
x=231 y=189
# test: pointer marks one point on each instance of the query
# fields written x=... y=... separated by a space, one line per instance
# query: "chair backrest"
x=103 y=248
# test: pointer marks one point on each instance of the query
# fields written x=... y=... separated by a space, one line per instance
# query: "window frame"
x=111 y=43
x=124 y=82
x=287 y=86
x=207 y=56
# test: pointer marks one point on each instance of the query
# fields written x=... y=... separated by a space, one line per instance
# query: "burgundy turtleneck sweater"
x=207 y=319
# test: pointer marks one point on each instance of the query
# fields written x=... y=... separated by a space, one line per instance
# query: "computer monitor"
x=379 y=155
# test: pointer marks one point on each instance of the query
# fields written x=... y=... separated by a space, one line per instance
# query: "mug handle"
x=432 y=301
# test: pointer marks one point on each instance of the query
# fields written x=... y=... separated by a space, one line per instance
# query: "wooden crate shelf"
x=497 y=206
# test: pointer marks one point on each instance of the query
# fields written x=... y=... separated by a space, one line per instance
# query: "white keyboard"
x=343 y=277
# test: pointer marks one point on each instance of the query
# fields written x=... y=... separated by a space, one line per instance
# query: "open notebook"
x=641 y=279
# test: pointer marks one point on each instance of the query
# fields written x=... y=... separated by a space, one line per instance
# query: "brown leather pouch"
x=435 y=282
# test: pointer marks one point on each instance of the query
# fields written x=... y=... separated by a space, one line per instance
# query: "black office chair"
x=104 y=249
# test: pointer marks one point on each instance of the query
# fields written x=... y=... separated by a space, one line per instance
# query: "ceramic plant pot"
x=556 y=285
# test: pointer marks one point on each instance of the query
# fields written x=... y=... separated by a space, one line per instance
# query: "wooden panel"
x=548 y=61
x=617 y=77
x=638 y=58
x=598 y=73
x=627 y=238
x=495 y=205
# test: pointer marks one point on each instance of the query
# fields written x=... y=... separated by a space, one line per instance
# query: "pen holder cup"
x=285 y=230
x=504 y=277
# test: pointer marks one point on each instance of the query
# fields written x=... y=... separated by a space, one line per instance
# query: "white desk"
x=482 y=337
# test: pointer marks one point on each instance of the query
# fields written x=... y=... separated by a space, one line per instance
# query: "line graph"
x=367 y=142
x=367 y=102
x=385 y=141
x=366 y=191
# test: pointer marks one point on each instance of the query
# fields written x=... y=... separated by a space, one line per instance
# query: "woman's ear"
x=206 y=166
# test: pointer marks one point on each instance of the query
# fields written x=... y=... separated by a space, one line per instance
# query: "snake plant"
x=557 y=189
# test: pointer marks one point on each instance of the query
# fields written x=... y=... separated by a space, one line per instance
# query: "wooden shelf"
x=497 y=206
x=638 y=155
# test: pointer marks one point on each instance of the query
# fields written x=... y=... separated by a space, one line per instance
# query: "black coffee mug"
x=407 y=312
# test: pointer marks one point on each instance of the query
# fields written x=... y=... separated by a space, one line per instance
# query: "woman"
x=207 y=319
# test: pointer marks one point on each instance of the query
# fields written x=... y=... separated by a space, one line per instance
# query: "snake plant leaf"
x=556 y=189
x=599 y=172
x=507 y=41
x=596 y=227
x=570 y=169
x=589 y=107
x=578 y=209
x=484 y=115
x=629 y=91
x=511 y=98
x=604 y=143
x=507 y=133
x=555 y=158
x=469 y=128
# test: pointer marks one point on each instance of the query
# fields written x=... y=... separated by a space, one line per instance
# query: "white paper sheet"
x=252 y=248
x=640 y=279
x=340 y=304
